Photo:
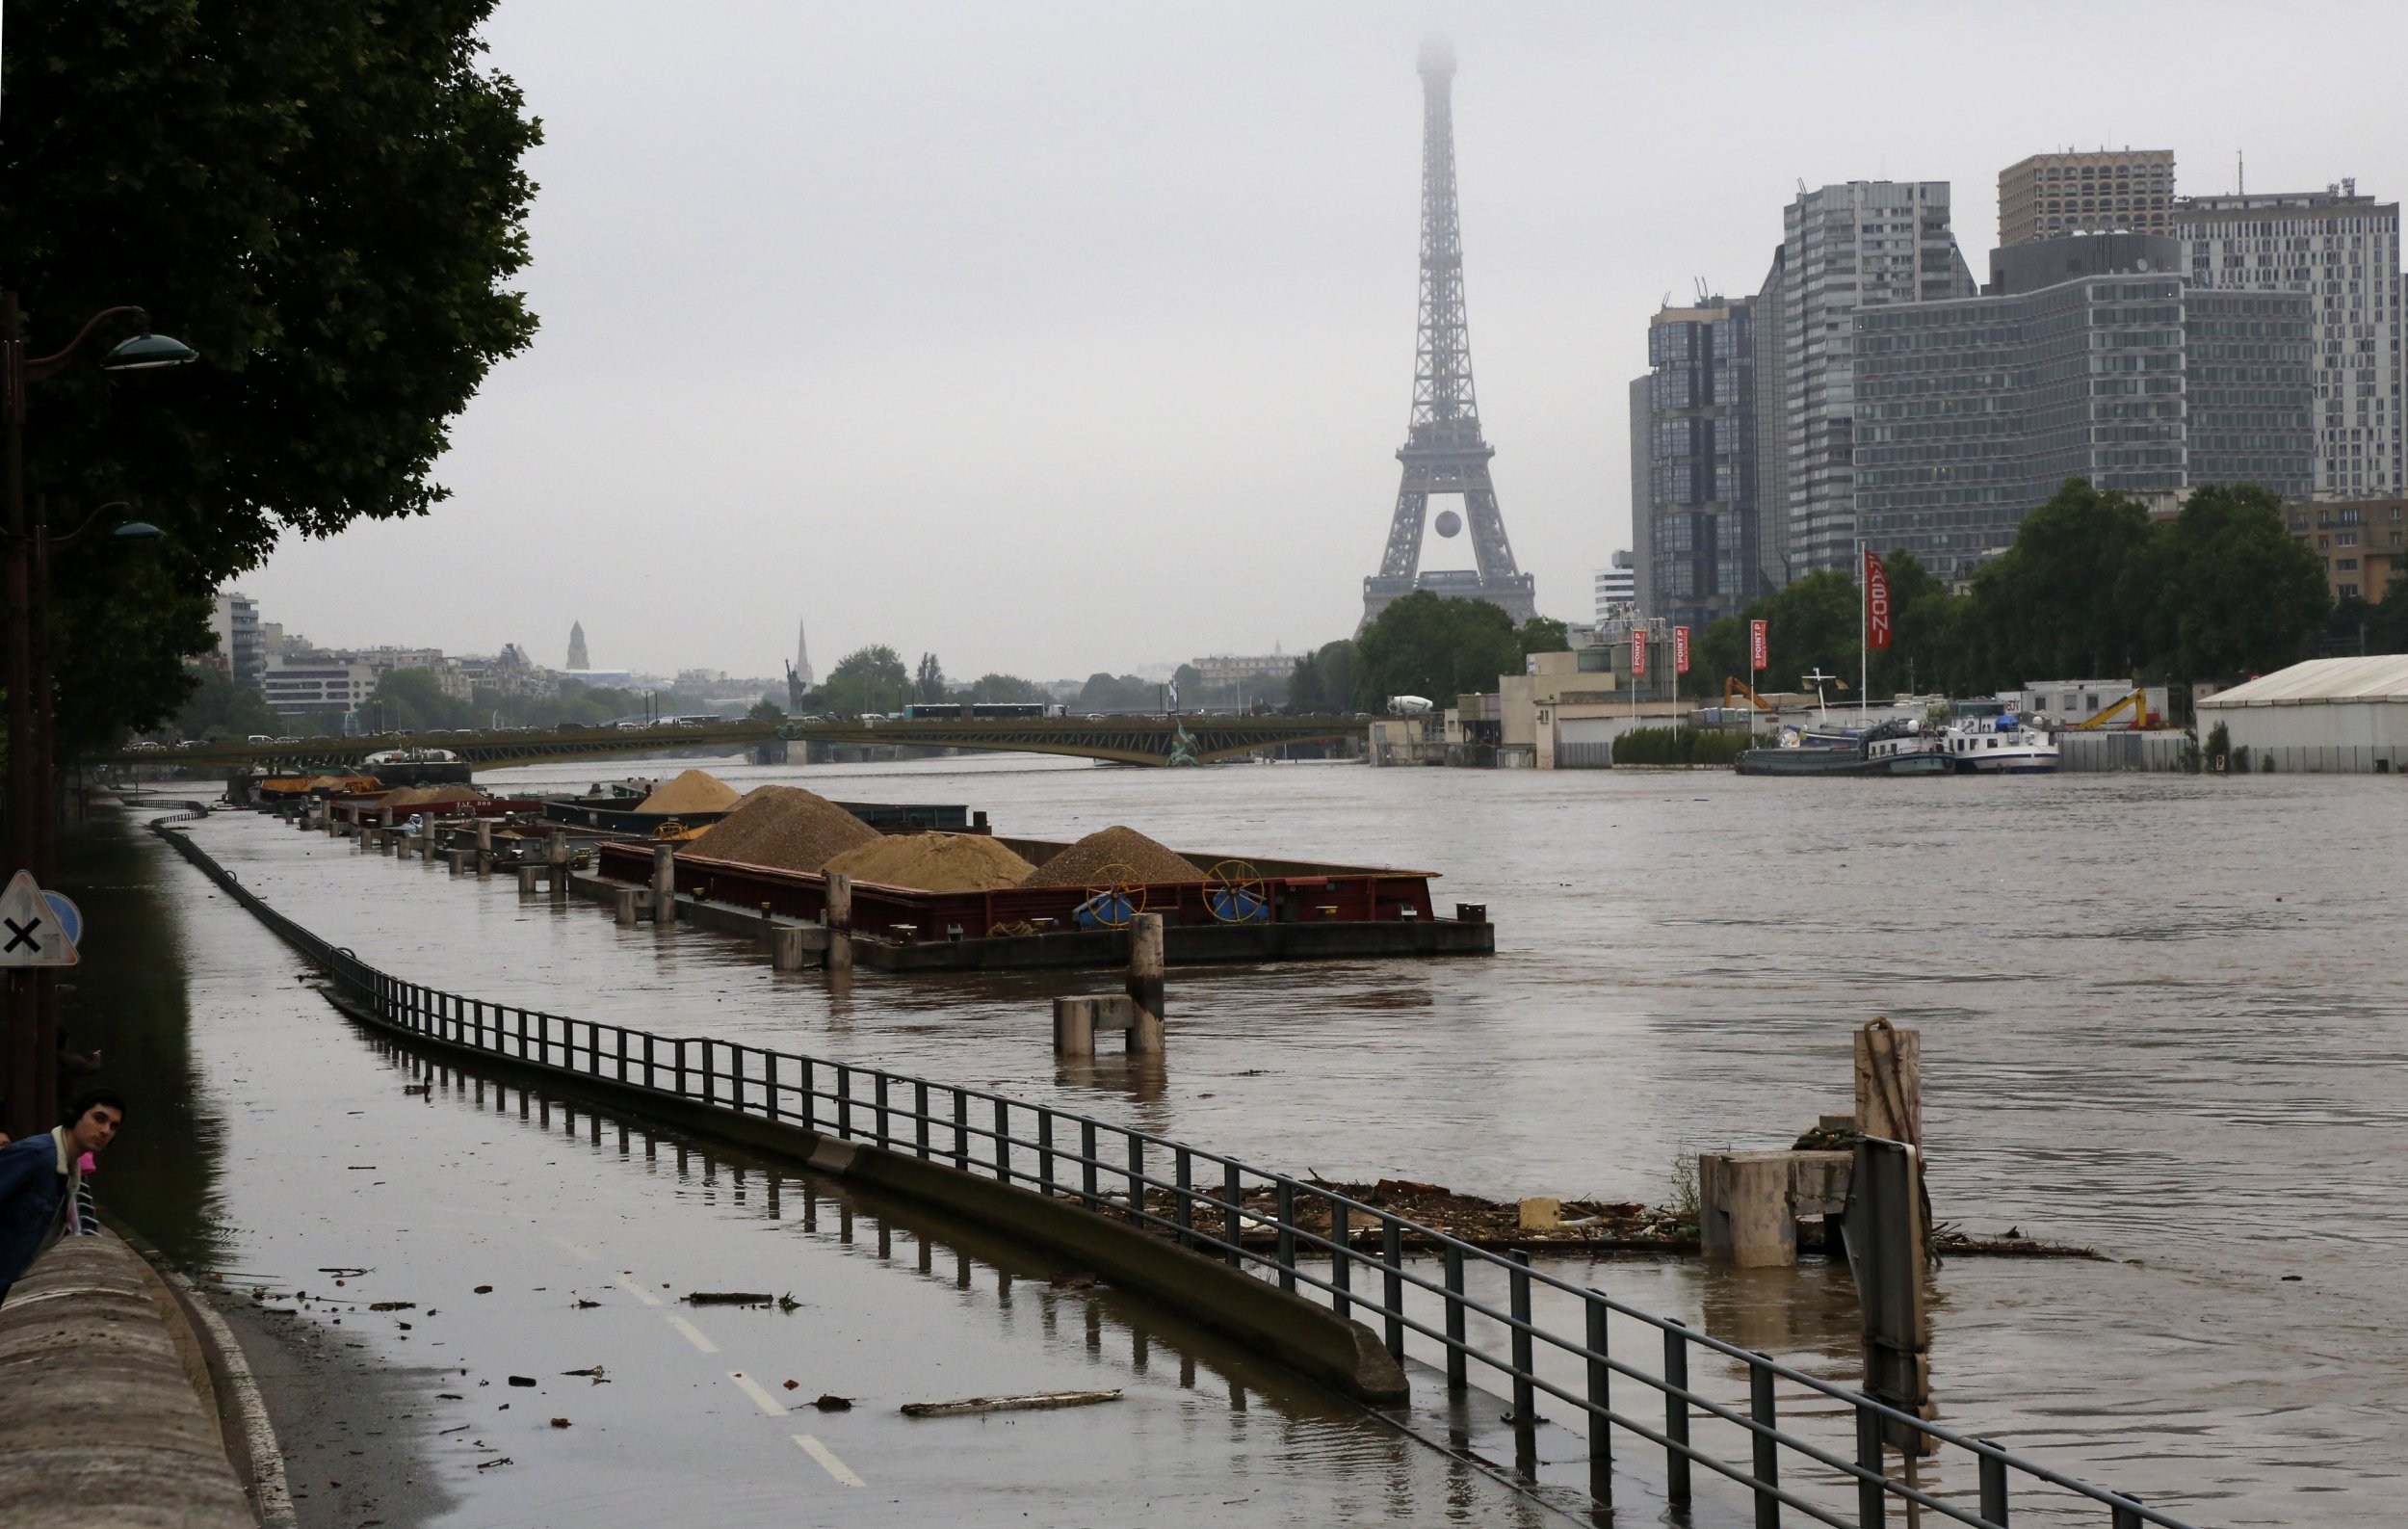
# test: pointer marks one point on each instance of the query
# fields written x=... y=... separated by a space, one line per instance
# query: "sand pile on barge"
x=934 y=863
x=784 y=828
x=1082 y=865
x=693 y=791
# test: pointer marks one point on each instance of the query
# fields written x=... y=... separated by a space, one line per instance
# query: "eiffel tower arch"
x=1444 y=453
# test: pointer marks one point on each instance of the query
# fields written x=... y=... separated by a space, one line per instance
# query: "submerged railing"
x=1283 y=1230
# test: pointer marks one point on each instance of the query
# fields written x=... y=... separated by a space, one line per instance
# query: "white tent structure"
x=2327 y=714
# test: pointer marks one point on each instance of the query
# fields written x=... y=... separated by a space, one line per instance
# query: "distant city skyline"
x=917 y=334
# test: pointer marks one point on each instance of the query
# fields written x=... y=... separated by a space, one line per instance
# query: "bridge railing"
x=1757 y=1430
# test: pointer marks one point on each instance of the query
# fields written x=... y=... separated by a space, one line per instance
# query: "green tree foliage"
x=1439 y=649
x=219 y=708
x=1542 y=634
x=2236 y=593
x=2072 y=597
x=867 y=679
x=1104 y=691
x=326 y=202
x=2091 y=589
x=929 y=683
x=1323 y=681
x=766 y=709
x=1000 y=687
x=414 y=699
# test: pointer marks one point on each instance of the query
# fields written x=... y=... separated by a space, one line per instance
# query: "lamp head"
x=146 y=350
x=135 y=530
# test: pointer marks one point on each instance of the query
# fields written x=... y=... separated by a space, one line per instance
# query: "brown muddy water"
x=2161 y=1016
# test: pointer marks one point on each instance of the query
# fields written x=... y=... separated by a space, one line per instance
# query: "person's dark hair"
x=89 y=1098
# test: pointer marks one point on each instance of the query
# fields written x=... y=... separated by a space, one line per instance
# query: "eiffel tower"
x=1442 y=452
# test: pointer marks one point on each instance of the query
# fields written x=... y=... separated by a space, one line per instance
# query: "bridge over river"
x=1159 y=741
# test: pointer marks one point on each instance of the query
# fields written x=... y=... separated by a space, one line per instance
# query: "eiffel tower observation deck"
x=1444 y=452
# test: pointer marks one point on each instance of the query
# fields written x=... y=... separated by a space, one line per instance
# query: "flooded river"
x=2161 y=1016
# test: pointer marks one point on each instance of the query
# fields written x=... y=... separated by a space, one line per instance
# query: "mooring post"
x=625 y=900
x=1145 y=984
x=839 y=917
x=1074 y=1027
x=526 y=881
x=1890 y=1083
x=484 y=846
x=558 y=862
x=663 y=882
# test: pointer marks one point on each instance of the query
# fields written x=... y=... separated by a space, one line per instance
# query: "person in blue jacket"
x=39 y=1177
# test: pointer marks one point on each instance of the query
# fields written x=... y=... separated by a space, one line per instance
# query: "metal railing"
x=1305 y=1236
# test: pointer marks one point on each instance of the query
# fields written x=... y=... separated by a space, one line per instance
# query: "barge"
x=1240 y=912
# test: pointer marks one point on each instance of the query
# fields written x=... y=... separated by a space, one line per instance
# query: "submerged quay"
x=1704 y=1006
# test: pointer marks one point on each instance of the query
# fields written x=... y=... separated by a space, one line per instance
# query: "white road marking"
x=628 y=1284
x=573 y=1249
x=827 y=1456
x=761 y=1397
x=694 y=1335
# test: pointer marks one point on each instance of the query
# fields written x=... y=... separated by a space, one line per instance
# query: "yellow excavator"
x=2137 y=704
x=1733 y=689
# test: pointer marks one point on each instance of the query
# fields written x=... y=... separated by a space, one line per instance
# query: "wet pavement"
x=2161 y=1016
x=529 y=1238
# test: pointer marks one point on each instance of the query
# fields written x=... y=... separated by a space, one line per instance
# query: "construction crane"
x=2139 y=704
x=1734 y=687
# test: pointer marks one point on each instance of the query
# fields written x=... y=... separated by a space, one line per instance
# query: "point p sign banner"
x=1638 y=652
x=1757 y=656
x=1680 y=649
x=31 y=934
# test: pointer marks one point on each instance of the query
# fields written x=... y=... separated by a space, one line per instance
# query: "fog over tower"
x=1443 y=451
x=576 y=647
x=803 y=654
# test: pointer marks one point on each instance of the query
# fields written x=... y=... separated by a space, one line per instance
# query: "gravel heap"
x=1080 y=864
x=934 y=863
x=693 y=791
x=784 y=828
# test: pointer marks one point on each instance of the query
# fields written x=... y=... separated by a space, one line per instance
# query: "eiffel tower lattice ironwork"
x=1442 y=452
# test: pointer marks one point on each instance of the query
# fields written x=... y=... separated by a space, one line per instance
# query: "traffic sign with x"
x=32 y=932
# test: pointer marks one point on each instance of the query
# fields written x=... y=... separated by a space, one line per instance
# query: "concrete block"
x=788 y=951
x=1744 y=1211
x=628 y=902
x=1542 y=1213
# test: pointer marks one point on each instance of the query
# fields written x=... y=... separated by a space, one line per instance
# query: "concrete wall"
x=103 y=1416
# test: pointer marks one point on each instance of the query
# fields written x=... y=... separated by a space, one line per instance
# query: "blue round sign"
x=70 y=917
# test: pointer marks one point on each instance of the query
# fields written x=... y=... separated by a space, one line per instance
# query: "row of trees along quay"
x=2091 y=587
x=325 y=207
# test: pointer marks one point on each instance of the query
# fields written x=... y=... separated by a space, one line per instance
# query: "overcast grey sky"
x=1053 y=337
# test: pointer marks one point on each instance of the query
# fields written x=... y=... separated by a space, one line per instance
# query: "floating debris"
x=729 y=1297
x=1038 y=1401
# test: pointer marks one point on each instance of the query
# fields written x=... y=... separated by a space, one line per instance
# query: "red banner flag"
x=1877 y=601
x=1638 y=652
x=1758 y=657
x=1680 y=649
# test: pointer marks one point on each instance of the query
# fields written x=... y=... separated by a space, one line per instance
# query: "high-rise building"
x=576 y=647
x=1772 y=427
x=1698 y=501
x=2342 y=249
x=2089 y=357
x=1861 y=243
x=239 y=650
x=1642 y=473
x=2111 y=191
x=1617 y=589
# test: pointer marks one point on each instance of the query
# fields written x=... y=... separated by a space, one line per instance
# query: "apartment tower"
x=2113 y=191
x=2342 y=249
x=1845 y=247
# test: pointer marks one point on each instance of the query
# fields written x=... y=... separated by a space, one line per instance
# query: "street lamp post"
x=31 y=1100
